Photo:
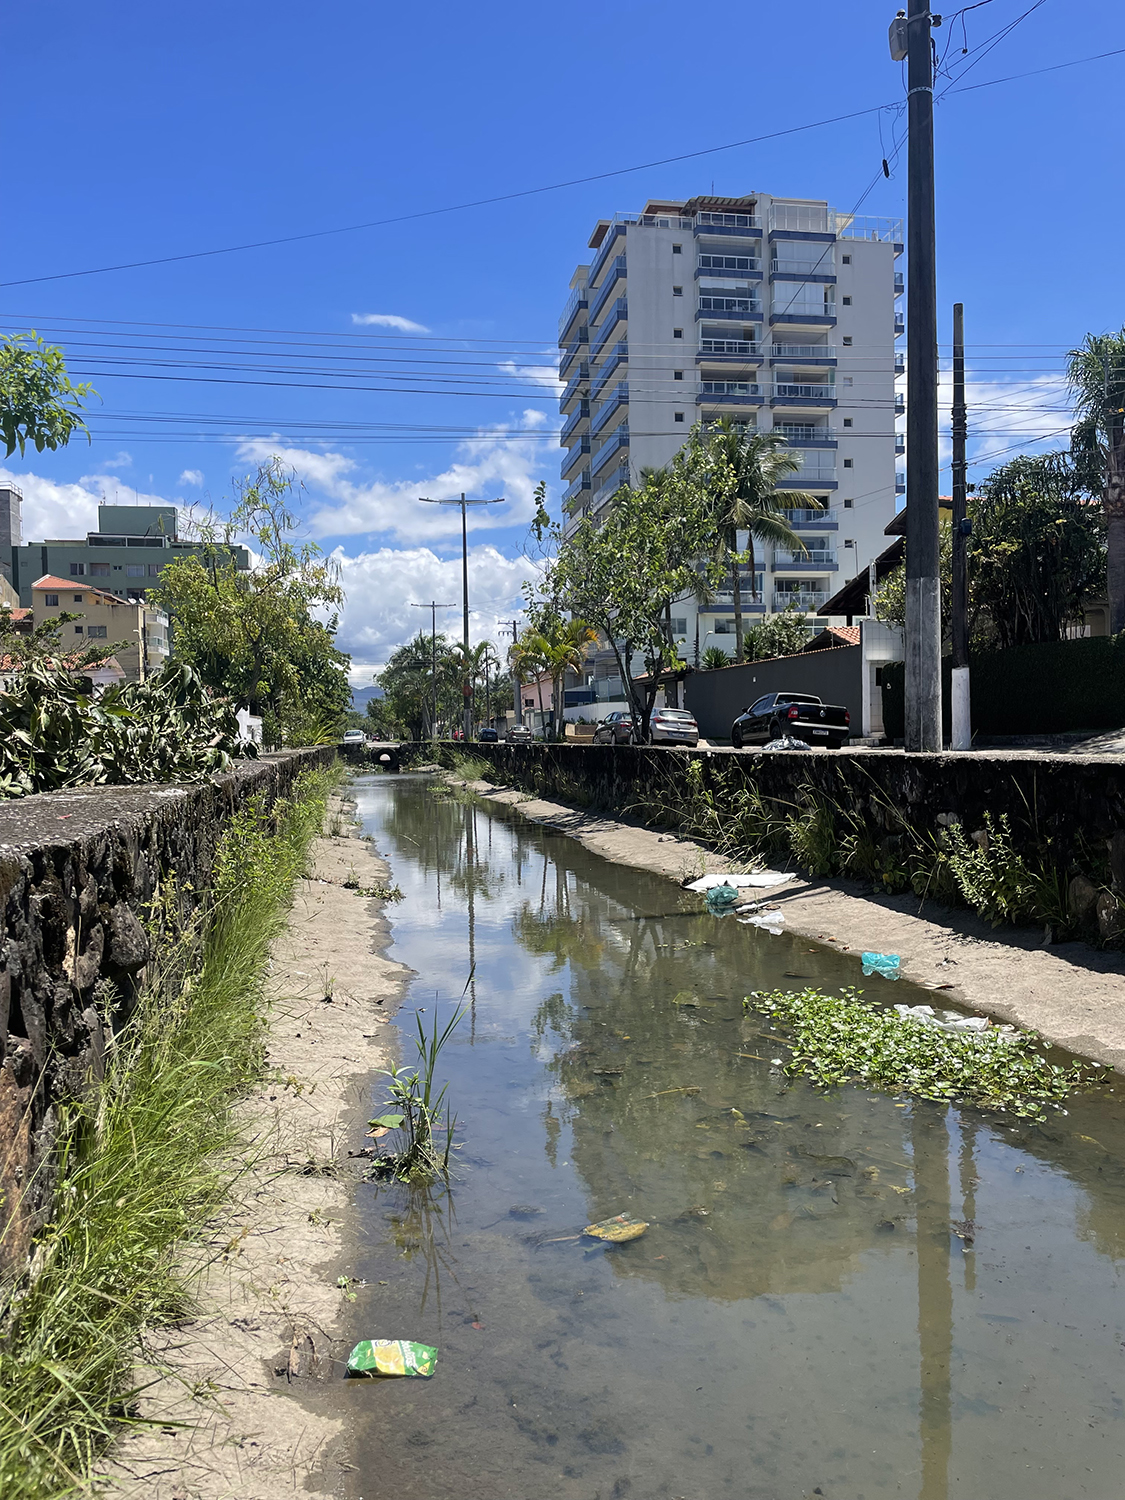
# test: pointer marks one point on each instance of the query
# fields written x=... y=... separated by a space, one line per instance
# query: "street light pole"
x=464 y=504
x=433 y=607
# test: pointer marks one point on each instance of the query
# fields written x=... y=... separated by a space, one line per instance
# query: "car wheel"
x=736 y=737
x=777 y=731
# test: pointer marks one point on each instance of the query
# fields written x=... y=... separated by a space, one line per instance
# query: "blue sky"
x=149 y=131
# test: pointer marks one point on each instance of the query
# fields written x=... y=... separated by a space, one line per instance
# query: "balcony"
x=870 y=227
x=900 y=324
x=711 y=223
x=802 y=218
x=576 y=383
x=616 y=443
x=900 y=364
x=900 y=284
x=617 y=398
x=616 y=481
x=728 y=307
x=576 y=487
x=572 y=525
x=900 y=406
x=728 y=265
x=900 y=444
x=615 y=274
x=803 y=433
x=729 y=392
x=801 y=310
x=616 y=356
x=822 y=520
x=618 y=313
x=615 y=230
x=570 y=352
x=741 y=350
x=809 y=602
x=789 y=393
x=803 y=354
x=820 y=268
x=570 y=426
x=900 y=484
x=576 y=303
x=818 y=560
x=574 y=457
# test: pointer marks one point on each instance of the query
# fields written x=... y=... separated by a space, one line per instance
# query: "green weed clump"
x=414 y=1112
x=837 y=1039
x=145 y=1161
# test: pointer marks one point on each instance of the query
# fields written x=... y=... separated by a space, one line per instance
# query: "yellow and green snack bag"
x=392 y=1357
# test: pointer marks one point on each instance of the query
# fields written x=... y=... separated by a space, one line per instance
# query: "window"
x=848 y=542
x=847 y=463
x=848 y=504
x=677 y=249
x=134 y=570
x=78 y=630
x=847 y=301
x=677 y=333
x=679 y=625
x=847 y=260
x=762 y=706
x=78 y=598
x=724 y=627
x=847 y=338
x=677 y=291
x=677 y=374
x=154 y=570
x=100 y=570
x=847 y=380
x=847 y=421
x=878 y=677
x=97 y=631
x=117 y=567
x=51 y=600
x=679 y=416
x=77 y=570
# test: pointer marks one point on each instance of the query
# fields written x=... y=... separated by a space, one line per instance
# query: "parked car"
x=673 y=726
x=799 y=715
x=354 y=737
x=615 y=729
x=487 y=736
x=519 y=734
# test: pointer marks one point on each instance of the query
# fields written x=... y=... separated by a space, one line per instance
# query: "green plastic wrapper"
x=392 y=1357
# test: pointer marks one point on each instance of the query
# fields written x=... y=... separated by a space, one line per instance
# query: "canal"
x=844 y=1295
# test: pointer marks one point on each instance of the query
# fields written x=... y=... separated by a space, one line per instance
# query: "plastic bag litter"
x=392 y=1357
x=881 y=963
x=951 y=1020
x=770 y=921
x=721 y=899
x=617 y=1230
x=754 y=878
x=787 y=742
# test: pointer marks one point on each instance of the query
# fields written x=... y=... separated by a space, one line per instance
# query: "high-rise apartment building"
x=779 y=313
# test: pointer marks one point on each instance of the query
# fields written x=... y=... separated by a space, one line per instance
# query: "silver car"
x=673 y=726
x=519 y=734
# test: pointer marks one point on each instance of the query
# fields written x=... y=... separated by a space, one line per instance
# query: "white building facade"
x=780 y=313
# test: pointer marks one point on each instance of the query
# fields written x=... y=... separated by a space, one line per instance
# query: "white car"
x=673 y=726
x=354 y=737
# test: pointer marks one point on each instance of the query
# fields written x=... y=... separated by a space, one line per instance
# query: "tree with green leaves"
x=743 y=474
x=1096 y=373
x=782 y=634
x=407 y=681
x=621 y=575
x=265 y=638
x=38 y=403
x=714 y=658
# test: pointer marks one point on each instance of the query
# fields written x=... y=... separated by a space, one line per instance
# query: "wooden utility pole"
x=962 y=737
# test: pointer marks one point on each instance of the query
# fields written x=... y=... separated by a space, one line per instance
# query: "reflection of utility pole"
x=930 y=1139
x=464 y=504
x=433 y=607
x=967 y=1166
x=470 y=885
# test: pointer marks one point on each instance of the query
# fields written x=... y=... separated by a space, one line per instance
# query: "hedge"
x=1049 y=688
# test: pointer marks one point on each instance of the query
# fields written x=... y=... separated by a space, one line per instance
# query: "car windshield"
x=674 y=713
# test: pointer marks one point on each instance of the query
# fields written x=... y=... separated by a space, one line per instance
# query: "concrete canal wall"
x=79 y=875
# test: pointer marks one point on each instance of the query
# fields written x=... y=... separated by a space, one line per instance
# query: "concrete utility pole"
x=923 y=594
x=962 y=737
x=467 y=721
x=517 y=685
x=433 y=607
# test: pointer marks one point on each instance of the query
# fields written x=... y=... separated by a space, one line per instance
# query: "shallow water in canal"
x=840 y=1294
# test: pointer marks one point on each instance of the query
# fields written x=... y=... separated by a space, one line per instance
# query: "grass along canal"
x=842 y=1293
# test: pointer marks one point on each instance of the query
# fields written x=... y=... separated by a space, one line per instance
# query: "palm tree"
x=743 y=470
x=529 y=655
x=1096 y=373
x=465 y=666
x=567 y=643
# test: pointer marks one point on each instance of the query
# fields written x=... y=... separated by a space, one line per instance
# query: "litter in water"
x=760 y=878
x=721 y=899
x=950 y=1020
x=392 y=1357
x=885 y=964
x=770 y=921
x=617 y=1230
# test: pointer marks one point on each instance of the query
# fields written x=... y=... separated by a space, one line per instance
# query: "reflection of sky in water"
x=799 y=1313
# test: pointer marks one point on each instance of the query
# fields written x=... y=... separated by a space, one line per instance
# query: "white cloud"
x=54 y=510
x=546 y=376
x=1007 y=418
x=389 y=320
x=192 y=476
x=502 y=461
x=122 y=461
x=383 y=586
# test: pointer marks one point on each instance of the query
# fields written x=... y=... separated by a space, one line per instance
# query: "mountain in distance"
x=361 y=697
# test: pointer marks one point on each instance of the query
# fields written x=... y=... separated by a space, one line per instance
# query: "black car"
x=798 y=715
x=615 y=729
x=487 y=736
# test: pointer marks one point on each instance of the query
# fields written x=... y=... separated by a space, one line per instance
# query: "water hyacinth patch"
x=837 y=1039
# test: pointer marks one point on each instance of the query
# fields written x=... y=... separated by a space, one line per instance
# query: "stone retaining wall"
x=78 y=871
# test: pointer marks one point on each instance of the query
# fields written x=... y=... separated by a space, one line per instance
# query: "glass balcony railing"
x=800 y=352
x=616 y=273
x=617 y=398
x=618 y=313
x=610 y=362
x=729 y=307
x=727 y=265
x=823 y=559
x=570 y=352
x=791 y=391
x=576 y=486
x=900 y=324
x=577 y=380
x=571 y=424
x=609 y=487
x=805 y=432
x=785 y=265
x=807 y=602
x=575 y=301
x=574 y=457
x=810 y=477
x=730 y=348
x=727 y=221
x=785 y=309
x=729 y=390
x=802 y=516
x=613 y=445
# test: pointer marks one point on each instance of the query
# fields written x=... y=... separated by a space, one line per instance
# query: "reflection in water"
x=789 y=1322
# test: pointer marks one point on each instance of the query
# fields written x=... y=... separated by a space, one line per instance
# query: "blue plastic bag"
x=881 y=963
x=721 y=900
